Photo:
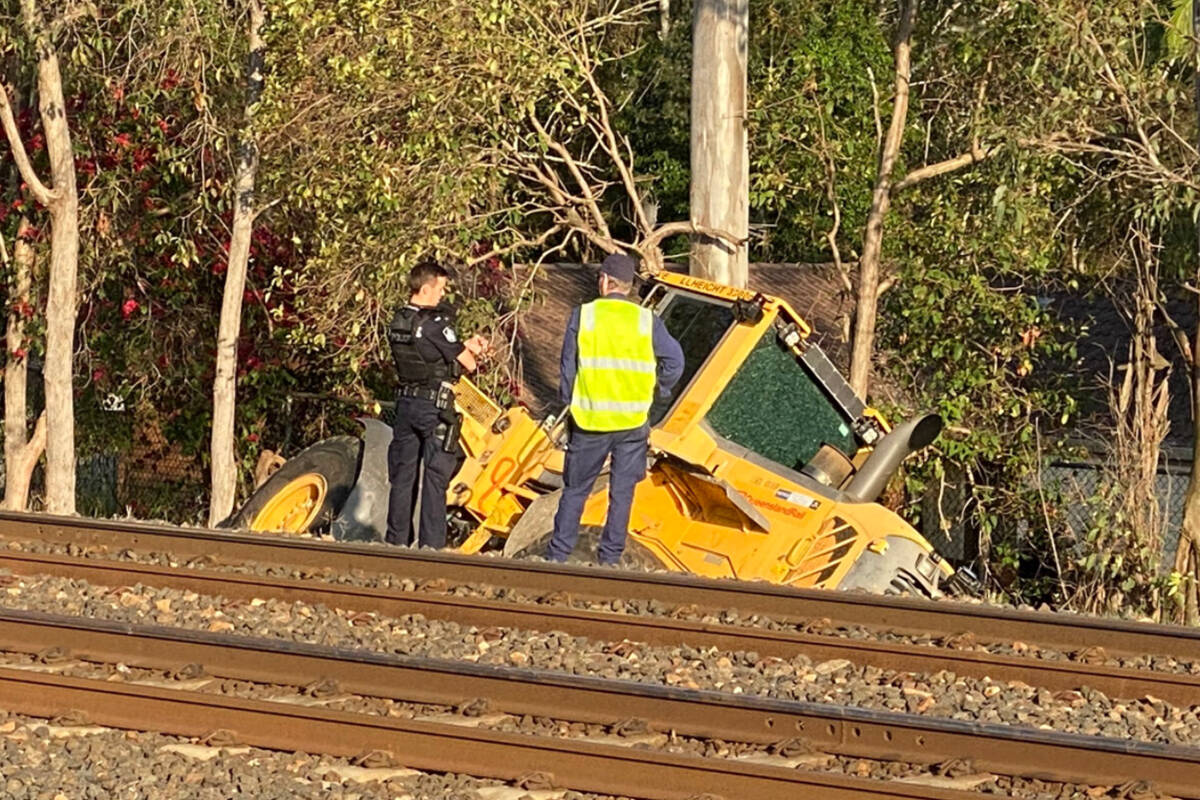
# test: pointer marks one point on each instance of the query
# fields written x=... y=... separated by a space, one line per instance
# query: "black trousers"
x=415 y=445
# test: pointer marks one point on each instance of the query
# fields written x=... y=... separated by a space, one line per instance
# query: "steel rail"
x=580 y=765
x=884 y=735
x=1062 y=631
x=609 y=626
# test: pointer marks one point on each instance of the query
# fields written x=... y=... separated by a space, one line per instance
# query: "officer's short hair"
x=425 y=272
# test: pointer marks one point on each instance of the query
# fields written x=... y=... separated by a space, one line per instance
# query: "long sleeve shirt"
x=667 y=353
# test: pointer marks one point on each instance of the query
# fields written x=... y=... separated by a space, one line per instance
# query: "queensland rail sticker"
x=798 y=498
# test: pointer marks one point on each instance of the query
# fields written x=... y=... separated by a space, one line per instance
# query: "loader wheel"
x=306 y=493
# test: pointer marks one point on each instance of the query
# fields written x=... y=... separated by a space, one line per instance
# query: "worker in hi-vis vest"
x=616 y=354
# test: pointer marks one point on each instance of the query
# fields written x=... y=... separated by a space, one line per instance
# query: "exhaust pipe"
x=881 y=465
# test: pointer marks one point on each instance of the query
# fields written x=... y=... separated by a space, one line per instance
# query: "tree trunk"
x=20 y=455
x=18 y=466
x=1187 y=552
x=868 y=271
x=720 y=162
x=62 y=303
x=224 y=458
x=1189 y=533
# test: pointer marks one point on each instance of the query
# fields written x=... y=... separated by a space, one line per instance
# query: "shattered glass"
x=775 y=408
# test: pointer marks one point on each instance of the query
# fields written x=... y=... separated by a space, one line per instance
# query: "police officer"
x=428 y=356
x=615 y=355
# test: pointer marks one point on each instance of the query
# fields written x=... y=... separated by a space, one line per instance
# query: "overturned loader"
x=765 y=465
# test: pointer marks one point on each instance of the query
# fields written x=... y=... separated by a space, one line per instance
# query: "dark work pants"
x=416 y=445
x=586 y=452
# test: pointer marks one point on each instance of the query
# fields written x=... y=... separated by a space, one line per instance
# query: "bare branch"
x=41 y=192
x=519 y=245
x=676 y=228
x=875 y=108
x=589 y=198
x=831 y=192
x=976 y=155
x=614 y=150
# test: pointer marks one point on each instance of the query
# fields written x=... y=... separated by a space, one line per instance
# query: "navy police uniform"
x=425 y=348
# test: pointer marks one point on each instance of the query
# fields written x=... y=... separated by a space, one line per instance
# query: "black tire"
x=904 y=586
x=336 y=459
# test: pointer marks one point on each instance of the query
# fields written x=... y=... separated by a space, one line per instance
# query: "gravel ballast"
x=60 y=760
x=839 y=682
x=964 y=641
x=296 y=775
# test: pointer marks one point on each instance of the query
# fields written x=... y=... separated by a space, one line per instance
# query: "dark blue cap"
x=620 y=267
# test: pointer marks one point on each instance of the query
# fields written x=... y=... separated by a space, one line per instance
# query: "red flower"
x=98 y=374
x=118 y=92
x=251 y=437
x=170 y=81
x=128 y=307
x=37 y=142
x=163 y=126
x=19 y=353
x=135 y=112
x=122 y=139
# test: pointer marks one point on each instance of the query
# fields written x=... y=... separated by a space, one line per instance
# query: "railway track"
x=423 y=745
x=1056 y=675
x=1065 y=632
x=429 y=746
x=836 y=729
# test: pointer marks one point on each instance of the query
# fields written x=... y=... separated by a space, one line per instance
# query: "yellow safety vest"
x=616 y=373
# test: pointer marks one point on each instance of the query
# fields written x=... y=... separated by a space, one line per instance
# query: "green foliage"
x=1179 y=28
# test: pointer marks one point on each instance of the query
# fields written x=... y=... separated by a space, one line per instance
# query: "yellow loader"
x=764 y=465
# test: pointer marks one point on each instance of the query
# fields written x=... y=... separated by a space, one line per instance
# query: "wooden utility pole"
x=720 y=163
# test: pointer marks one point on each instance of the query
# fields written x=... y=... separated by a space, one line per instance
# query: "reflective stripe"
x=645 y=321
x=624 y=364
x=587 y=317
x=610 y=405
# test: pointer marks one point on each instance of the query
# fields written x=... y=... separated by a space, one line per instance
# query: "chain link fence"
x=1078 y=481
x=154 y=478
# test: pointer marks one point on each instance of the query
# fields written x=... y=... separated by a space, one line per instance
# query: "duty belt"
x=420 y=392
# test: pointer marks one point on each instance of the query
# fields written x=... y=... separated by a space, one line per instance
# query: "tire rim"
x=294 y=507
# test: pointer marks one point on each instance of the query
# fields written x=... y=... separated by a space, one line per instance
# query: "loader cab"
x=750 y=365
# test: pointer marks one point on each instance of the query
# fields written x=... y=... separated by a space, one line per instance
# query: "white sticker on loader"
x=798 y=498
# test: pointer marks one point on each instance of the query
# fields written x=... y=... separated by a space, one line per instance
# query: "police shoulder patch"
x=448 y=332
